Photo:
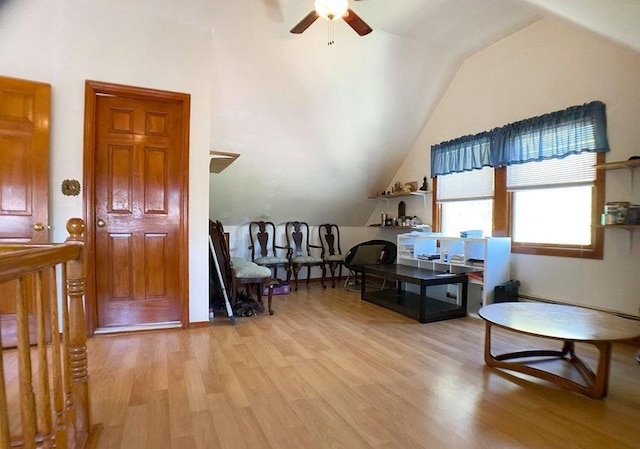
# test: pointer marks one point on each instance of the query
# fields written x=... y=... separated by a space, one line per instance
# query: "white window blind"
x=475 y=184
x=575 y=169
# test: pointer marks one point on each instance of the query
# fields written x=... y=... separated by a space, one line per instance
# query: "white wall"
x=319 y=128
x=66 y=42
x=546 y=67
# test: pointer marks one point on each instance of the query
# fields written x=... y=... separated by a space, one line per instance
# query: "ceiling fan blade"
x=355 y=22
x=305 y=23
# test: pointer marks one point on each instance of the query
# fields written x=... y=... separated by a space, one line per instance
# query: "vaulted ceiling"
x=319 y=128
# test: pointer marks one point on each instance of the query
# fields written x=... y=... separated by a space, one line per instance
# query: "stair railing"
x=44 y=400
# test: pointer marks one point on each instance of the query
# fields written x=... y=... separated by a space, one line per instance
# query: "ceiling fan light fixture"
x=331 y=9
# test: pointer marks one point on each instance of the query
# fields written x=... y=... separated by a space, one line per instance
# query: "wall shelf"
x=420 y=193
x=630 y=165
x=627 y=227
x=630 y=227
x=617 y=165
x=402 y=194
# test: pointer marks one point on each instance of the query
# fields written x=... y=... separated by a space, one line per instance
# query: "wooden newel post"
x=77 y=349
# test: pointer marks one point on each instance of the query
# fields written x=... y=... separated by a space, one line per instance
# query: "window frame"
x=502 y=219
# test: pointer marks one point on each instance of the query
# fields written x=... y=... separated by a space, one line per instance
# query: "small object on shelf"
x=633 y=214
x=411 y=186
x=402 y=210
x=618 y=209
x=428 y=256
x=424 y=187
x=473 y=233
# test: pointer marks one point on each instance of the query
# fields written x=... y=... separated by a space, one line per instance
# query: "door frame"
x=92 y=90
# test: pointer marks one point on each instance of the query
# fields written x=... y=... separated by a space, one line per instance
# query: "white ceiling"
x=321 y=128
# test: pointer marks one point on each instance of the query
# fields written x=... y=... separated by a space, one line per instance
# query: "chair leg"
x=332 y=270
x=324 y=274
x=296 y=269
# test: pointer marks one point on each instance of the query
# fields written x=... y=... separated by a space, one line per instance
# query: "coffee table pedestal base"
x=594 y=383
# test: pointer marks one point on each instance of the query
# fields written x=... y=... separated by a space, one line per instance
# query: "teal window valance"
x=554 y=135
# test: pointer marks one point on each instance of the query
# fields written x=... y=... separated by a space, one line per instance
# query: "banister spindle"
x=56 y=355
x=78 y=331
x=27 y=399
x=4 y=411
x=43 y=407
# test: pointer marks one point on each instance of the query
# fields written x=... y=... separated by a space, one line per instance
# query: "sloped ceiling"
x=321 y=127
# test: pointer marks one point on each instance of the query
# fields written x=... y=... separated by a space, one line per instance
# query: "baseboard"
x=550 y=301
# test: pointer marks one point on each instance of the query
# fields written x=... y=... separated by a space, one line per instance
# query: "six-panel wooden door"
x=24 y=180
x=138 y=199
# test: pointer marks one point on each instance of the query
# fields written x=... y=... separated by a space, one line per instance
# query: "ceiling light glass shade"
x=331 y=9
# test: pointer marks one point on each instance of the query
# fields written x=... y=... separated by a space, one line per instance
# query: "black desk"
x=421 y=307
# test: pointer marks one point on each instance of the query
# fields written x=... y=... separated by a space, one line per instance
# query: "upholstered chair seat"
x=237 y=262
x=306 y=259
x=251 y=270
x=236 y=271
x=270 y=260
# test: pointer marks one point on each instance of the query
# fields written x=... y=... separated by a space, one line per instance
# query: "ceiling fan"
x=332 y=10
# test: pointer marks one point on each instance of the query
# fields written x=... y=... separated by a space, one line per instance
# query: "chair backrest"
x=216 y=232
x=384 y=253
x=329 y=239
x=298 y=238
x=262 y=235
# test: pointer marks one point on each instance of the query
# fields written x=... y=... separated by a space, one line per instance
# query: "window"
x=552 y=200
x=458 y=216
x=554 y=206
x=466 y=201
x=546 y=193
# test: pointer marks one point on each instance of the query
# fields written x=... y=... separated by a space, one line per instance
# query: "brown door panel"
x=138 y=206
x=24 y=184
x=24 y=160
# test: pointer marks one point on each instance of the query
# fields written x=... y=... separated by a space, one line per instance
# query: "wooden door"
x=138 y=209
x=24 y=160
x=24 y=179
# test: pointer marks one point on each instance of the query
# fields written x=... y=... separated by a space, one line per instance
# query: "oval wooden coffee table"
x=569 y=324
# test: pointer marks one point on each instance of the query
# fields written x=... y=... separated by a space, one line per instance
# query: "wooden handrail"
x=54 y=393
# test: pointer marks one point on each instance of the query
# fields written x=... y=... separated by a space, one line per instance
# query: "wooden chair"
x=299 y=251
x=264 y=249
x=237 y=272
x=331 y=253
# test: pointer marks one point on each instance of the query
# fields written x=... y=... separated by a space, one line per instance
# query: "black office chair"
x=371 y=252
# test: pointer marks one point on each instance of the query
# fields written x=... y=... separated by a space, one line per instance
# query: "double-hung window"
x=546 y=193
x=554 y=205
x=466 y=201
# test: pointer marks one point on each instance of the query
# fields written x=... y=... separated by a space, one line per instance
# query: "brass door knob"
x=38 y=227
x=101 y=223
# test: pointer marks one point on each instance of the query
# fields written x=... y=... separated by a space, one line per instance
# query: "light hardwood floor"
x=330 y=371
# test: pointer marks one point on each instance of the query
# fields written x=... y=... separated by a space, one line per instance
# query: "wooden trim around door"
x=92 y=90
